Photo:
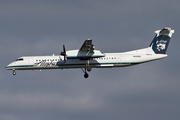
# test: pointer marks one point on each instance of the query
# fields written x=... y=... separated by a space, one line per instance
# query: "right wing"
x=85 y=52
x=87 y=47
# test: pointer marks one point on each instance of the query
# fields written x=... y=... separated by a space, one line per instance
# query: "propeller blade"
x=64 y=50
x=64 y=53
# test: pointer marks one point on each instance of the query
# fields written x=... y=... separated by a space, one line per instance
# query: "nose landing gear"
x=14 y=72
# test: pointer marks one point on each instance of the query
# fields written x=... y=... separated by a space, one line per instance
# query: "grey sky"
x=147 y=91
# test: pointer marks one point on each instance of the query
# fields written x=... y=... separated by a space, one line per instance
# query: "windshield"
x=19 y=59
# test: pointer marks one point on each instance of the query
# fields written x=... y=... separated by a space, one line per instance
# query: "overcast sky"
x=148 y=91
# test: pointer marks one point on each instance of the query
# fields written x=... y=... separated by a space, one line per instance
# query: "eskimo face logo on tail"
x=161 y=45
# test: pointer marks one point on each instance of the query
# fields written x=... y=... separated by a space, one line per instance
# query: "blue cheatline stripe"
x=84 y=57
x=93 y=56
x=20 y=66
x=66 y=64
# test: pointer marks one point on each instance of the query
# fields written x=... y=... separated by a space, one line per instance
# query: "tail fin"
x=161 y=40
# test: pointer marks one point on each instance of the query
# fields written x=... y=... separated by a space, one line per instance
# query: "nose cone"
x=9 y=67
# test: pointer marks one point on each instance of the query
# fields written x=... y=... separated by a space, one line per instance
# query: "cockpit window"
x=20 y=59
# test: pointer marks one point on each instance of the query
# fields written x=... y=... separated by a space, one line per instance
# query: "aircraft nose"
x=9 y=67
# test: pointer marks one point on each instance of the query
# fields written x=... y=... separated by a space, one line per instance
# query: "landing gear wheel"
x=89 y=69
x=86 y=75
x=85 y=72
x=14 y=73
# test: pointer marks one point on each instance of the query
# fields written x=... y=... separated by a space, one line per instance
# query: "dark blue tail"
x=161 y=41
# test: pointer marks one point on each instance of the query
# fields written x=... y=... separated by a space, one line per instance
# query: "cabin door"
x=31 y=62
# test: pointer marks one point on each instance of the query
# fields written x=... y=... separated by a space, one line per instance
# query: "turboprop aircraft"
x=87 y=57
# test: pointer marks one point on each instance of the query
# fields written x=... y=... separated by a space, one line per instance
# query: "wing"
x=87 y=47
x=85 y=52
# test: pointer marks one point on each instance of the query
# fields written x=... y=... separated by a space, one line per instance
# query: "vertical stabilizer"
x=161 y=41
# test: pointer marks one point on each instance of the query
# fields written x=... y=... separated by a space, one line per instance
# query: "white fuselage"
x=109 y=60
x=87 y=57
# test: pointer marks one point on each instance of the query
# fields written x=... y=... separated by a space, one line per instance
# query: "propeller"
x=64 y=53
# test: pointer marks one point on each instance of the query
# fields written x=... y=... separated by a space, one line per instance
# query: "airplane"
x=87 y=57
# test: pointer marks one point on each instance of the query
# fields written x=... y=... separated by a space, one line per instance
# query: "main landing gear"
x=14 y=72
x=86 y=75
